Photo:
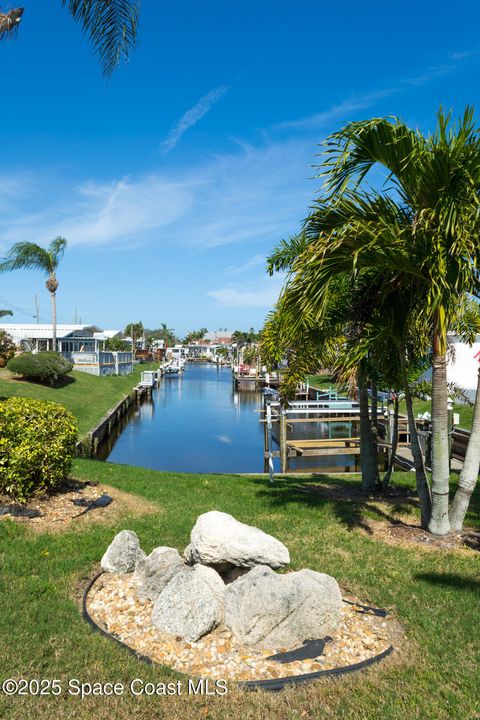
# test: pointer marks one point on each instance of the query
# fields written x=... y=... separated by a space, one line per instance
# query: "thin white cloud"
x=340 y=111
x=253 y=262
x=465 y=54
x=253 y=195
x=344 y=109
x=431 y=74
x=192 y=116
x=263 y=295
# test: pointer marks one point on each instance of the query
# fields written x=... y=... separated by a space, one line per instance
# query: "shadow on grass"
x=345 y=498
x=60 y=383
x=450 y=580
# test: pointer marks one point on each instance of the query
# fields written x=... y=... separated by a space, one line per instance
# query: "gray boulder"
x=267 y=610
x=220 y=540
x=187 y=555
x=192 y=603
x=154 y=572
x=123 y=553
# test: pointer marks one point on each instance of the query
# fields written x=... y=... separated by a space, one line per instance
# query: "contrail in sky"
x=192 y=116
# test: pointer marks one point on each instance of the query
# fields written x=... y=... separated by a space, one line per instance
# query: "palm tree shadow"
x=450 y=580
x=343 y=497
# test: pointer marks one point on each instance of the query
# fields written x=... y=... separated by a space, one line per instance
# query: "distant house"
x=219 y=337
x=82 y=344
x=462 y=366
x=38 y=338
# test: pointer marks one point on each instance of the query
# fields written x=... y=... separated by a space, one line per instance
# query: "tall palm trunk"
x=439 y=523
x=374 y=405
x=469 y=475
x=423 y=488
x=368 y=445
x=394 y=444
x=53 y=300
x=52 y=286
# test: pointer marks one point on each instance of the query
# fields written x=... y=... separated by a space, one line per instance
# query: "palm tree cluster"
x=163 y=333
x=378 y=276
x=195 y=335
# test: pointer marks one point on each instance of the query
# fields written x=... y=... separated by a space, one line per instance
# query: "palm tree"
x=369 y=238
x=30 y=256
x=135 y=331
x=436 y=181
x=4 y=313
x=111 y=26
x=167 y=334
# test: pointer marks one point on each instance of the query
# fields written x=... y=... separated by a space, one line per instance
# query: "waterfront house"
x=462 y=366
x=34 y=337
x=82 y=344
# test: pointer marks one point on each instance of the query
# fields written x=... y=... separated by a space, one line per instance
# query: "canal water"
x=197 y=422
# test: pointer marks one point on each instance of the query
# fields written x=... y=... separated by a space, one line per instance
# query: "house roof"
x=107 y=334
x=33 y=331
x=218 y=336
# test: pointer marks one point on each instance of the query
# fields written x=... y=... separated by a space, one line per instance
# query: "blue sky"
x=174 y=180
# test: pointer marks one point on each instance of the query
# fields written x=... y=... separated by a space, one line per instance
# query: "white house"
x=70 y=338
x=463 y=366
x=82 y=344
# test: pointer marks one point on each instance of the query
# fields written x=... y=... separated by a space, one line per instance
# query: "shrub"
x=37 y=443
x=7 y=348
x=45 y=367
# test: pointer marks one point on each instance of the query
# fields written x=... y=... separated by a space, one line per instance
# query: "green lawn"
x=88 y=397
x=435 y=594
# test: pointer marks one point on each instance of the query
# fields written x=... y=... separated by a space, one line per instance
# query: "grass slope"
x=435 y=595
x=88 y=397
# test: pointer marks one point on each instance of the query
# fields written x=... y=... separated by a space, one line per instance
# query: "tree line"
x=380 y=274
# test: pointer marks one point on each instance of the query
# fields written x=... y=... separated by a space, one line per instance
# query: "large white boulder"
x=192 y=604
x=218 y=539
x=266 y=610
x=123 y=553
x=154 y=572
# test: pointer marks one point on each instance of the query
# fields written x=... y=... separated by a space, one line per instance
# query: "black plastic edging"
x=273 y=685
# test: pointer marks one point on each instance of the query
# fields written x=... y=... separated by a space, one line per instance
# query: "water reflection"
x=195 y=423
x=198 y=422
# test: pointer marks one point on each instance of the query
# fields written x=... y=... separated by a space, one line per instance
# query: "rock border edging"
x=272 y=685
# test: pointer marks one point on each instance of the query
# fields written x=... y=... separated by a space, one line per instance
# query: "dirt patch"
x=404 y=532
x=59 y=513
x=406 y=535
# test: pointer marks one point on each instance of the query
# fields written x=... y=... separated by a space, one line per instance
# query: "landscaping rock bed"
x=114 y=605
x=223 y=611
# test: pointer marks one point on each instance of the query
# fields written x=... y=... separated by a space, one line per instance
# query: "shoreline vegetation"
x=426 y=589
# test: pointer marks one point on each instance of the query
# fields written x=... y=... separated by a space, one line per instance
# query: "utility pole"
x=37 y=309
x=75 y=321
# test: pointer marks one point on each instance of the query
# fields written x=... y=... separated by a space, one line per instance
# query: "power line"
x=27 y=311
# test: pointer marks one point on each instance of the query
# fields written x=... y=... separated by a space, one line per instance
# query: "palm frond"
x=285 y=253
x=28 y=256
x=56 y=250
x=352 y=152
x=9 y=23
x=111 y=26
